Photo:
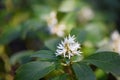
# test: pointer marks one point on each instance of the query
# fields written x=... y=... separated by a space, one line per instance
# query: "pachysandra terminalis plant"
x=67 y=63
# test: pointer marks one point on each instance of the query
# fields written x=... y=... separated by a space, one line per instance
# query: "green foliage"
x=108 y=61
x=61 y=77
x=9 y=34
x=83 y=71
x=52 y=44
x=34 y=70
x=45 y=55
x=21 y=57
x=80 y=34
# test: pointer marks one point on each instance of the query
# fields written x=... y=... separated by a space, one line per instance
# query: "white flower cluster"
x=69 y=47
x=53 y=25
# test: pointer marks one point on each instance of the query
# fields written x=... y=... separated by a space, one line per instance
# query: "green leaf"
x=83 y=71
x=52 y=44
x=96 y=31
x=34 y=70
x=60 y=77
x=21 y=57
x=108 y=61
x=76 y=58
x=45 y=54
x=80 y=34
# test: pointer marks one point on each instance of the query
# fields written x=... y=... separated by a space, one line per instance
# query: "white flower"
x=52 y=20
x=86 y=14
x=69 y=47
x=58 y=30
x=115 y=42
x=53 y=25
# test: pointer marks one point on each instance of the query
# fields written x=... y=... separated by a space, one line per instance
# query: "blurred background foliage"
x=30 y=25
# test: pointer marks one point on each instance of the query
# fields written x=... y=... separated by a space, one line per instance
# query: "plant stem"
x=68 y=70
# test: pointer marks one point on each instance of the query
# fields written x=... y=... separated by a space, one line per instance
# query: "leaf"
x=80 y=34
x=108 y=61
x=34 y=70
x=60 y=77
x=83 y=71
x=44 y=54
x=21 y=57
x=52 y=44
x=96 y=31
x=76 y=58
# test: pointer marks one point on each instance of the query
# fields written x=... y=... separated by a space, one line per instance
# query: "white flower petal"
x=69 y=47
